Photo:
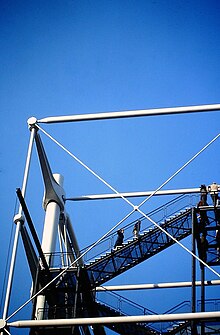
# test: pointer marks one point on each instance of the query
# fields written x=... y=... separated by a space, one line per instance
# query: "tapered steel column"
x=49 y=238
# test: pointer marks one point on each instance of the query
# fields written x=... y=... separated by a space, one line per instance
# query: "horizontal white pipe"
x=132 y=113
x=154 y=286
x=133 y=194
x=115 y=319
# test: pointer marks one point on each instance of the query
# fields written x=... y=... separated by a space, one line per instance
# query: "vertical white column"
x=18 y=225
x=49 y=239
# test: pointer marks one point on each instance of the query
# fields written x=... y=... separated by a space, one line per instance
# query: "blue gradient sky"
x=74 y=57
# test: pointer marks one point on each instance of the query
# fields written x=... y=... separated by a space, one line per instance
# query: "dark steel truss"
x=132 y=253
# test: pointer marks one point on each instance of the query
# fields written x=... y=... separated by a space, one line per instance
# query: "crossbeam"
x=155 y=286
x=131 y=113
x=115 y=319
x=134 y=194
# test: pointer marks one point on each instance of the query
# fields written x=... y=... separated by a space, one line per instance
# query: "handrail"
x=121 y=302
x=158 y=215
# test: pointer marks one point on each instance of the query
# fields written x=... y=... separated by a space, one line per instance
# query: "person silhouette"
x=202 y=216
x=203 y=195
x=120 y=238
x=136 y=229
x=204 y=248
x=213 y=190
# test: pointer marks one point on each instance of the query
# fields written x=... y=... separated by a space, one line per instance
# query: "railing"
x=121 y=304
x=127 y=307
x=211 y=305
x=158 y=215
x=61 y=259
x=56 y=312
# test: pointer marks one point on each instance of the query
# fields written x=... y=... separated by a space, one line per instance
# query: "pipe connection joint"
x=32 y=121
x=18 y=218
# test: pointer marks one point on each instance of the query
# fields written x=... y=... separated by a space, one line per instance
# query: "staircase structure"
x=110 y=303
x=74 y=289
x=144 y=328
x=67 y=291
x=148 y=244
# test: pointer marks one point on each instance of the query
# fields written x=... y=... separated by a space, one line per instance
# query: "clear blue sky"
x=72 y=57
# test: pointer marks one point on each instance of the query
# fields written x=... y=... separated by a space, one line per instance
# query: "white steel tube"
x=132 y=113
x=51 y=222
x=154 y=286
x=18 y=226
x=50 y=233
x=48 y=243
x=134 y=194
x=50 y=230
x=115 y=319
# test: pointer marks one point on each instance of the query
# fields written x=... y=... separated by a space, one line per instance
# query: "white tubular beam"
x=18 y=226
x=155 y=286
x=115 y=319
x=133 y=194
x=132 y=113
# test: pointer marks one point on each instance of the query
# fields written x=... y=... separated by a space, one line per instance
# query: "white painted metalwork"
x=114 y=319
x=134 y=194
x=52 y=219
x=2 y=324
x=68 y=267
x=154 y=286
x=137 y=208
x=18 y=225
x=85 y=166
x=50 y=231
x=49 y=238
x=132 y=113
